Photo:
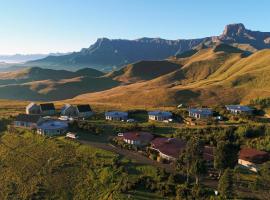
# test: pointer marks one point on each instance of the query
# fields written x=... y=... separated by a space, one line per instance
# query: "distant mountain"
x=20 y=58
x=106 y=54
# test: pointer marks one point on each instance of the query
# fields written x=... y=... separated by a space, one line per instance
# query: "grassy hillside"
x=35 y=167
x=47 y=84
x=144 y=70
x=218 y=75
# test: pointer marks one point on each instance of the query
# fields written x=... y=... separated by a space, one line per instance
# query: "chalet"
x=32 y=109
x=238 y=109
x=252 y=158
x=84 y=111
x=27 y=121
x=137 y=138
x=168 y=148
x=52 y=127
x=116 y=115
x=69 y=110
x=47 y=109
x=159 y=115
x=200 y=113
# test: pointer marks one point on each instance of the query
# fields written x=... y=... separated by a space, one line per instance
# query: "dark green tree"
x=226 y=184
x=191 y=160
x=226 y=156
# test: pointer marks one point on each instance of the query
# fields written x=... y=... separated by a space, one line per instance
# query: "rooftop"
x=53 y=124
x=253 y=155
x=47 y=106
x=28 y=118
x=169 y=146
x=201 y=111
x=116 y=113
x=139 y=136
x=84 y=108
x=160 y=113
x=239 y=108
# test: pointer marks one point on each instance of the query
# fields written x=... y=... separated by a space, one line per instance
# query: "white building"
x=116 y=115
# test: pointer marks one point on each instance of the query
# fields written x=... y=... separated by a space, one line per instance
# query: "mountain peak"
x=232 y=30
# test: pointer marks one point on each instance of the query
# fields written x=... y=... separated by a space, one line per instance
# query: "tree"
x=191 y=160
x=226 y=156
x=225 y=184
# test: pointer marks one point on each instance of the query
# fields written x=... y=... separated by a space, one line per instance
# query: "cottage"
x=168 y=148
x=137 y=138
x=84 y=111
x=47 y=109
x=159 y=115
x=69 y=111
x=252 y=158
x=200 y=113
x=116 y=115
x=52 y=127
x=27 y=121
x=238 y=109
x=32 y=109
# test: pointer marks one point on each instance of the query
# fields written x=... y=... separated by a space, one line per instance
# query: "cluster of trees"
x=86 y=126
x=262 y=102
x=192 y=163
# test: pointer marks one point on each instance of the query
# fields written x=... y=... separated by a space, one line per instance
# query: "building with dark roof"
x=200 y=113
x=84 y=111
x=168 y=148
x=137 y=138
x=69 y=111
x=27 y=121
x=47 y=109
x=252 y=158
x=32 y=109
x=238 y=109
x=116 y=115
x=159 y=115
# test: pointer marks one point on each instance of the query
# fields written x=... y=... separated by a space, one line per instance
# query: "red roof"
x=169 y=146
x=253 y=155
x=138 y=136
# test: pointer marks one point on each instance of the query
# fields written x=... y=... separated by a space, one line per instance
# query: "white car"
x=120 y=134
x=131 y=120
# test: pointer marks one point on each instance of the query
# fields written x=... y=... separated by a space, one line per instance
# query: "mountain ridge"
x=108 y=54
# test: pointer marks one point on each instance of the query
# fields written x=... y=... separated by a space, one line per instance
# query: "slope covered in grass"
x=217 y=75
x=35 y=167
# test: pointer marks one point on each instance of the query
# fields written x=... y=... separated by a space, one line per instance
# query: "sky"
x=44 y=26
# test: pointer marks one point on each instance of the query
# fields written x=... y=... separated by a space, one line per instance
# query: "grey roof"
x=160 y=113
x=66 y=106
x=53 y=125
x=31 y=105
x=116 y=114
x=201 y=111
x=28 y=118
x=239 y=108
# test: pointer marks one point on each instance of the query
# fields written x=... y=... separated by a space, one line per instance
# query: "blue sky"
x=42 y=26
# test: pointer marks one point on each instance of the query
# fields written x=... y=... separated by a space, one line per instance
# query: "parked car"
x=131 y=120
x=72 y=135
x=120 y=134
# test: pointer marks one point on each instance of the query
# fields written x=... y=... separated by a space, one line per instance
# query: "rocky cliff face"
x=106 y=53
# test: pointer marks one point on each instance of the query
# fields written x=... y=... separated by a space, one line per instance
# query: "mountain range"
x=20 y=58
x=106 y=54
x=231 y=68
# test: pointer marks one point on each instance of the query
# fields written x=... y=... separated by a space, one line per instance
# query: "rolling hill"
x=216 y=75
x=47 y=84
